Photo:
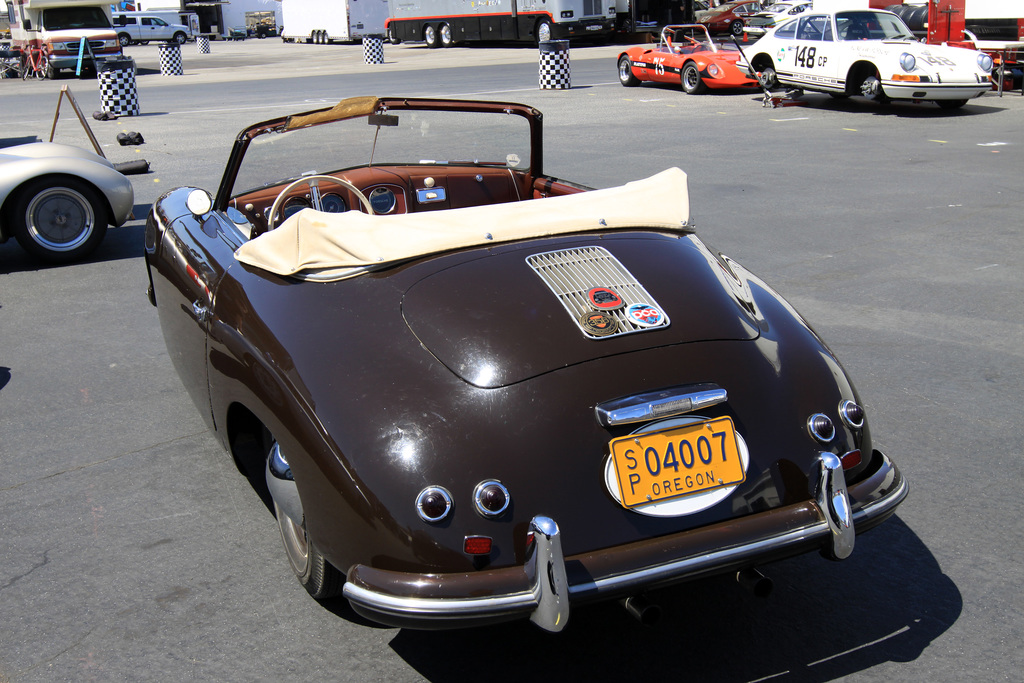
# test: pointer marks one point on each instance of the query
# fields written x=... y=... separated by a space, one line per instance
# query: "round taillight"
x=433 y=504
x=821 y=427
x=852 y=414
x=491 y=498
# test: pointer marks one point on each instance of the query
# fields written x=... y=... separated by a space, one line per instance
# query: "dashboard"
x=388 y=190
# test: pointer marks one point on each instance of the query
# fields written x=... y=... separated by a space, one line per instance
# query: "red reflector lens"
x=477 y=545
x=850 y=460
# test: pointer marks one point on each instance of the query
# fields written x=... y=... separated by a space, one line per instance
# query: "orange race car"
x=685 y=54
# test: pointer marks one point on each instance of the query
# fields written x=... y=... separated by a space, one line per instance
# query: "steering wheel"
x=272 y=214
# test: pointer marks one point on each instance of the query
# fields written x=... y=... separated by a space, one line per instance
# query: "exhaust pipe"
x=641 y=609
x=756 y=582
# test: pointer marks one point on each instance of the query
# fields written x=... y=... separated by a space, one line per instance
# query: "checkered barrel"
x=170 y=59
x=117 y=87
x=555 y=73
x=373 y=50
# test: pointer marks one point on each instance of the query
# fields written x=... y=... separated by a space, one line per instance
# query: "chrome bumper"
x=542 y=588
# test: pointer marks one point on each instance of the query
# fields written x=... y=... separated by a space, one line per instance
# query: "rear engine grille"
x=571 y=273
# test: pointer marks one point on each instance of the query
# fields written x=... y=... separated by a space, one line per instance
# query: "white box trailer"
x=327 y=21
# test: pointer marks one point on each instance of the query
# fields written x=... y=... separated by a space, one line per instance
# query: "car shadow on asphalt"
x=903 y=110
x=823 y=620
x=120 y=243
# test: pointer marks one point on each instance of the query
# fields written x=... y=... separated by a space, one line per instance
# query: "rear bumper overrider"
x=543 y=588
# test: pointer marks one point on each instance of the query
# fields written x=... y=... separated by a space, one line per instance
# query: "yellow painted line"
x=852 y=130
x=941 y=142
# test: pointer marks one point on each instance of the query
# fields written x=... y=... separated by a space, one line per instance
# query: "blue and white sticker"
x=645 y=315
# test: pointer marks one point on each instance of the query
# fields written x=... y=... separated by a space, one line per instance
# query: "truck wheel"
x=124 y=39
x=430 y=36
x=446 y=36
x=543 y=31
x=180 y=38
x=58 y=218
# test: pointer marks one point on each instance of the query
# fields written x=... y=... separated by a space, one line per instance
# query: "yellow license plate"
x=677 y=462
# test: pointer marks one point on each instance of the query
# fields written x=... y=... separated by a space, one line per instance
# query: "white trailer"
x=327 y=21
x=441 y=23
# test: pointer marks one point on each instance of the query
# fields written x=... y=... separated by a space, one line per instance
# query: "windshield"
x=403 y=137
x=61 y=18
x=871 y=26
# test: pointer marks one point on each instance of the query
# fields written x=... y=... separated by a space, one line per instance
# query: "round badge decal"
x=598 y=324
x=645 y=315
x=605 y=299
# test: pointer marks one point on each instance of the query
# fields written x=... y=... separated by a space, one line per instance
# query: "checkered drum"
x=373 y=50
x=555 y=73
x=203 y=44
x=117 y=88
x=170 y=59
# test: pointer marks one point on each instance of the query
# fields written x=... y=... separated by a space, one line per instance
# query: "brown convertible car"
x=473 y=392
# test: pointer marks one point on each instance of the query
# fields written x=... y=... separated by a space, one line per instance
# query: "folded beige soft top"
x=330 y=246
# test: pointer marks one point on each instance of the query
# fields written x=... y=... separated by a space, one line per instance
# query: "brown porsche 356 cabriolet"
x=474 y=392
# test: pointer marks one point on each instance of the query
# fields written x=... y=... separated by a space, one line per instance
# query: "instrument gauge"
x=333 y=203
x=383 y=200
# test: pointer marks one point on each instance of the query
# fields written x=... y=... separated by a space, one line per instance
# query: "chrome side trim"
x=834 y=503
x=545 y=569
x=655 y=405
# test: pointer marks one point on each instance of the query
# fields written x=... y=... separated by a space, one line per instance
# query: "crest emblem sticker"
x=645 y=315
x=598 y=324
x=605 y=299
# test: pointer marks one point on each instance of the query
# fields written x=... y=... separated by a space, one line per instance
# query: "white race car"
x=870 y=53
x=773 y=15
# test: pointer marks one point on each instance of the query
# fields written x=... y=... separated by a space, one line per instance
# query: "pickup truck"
x=142 y=29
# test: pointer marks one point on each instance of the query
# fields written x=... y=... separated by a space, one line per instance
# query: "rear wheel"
x=626 y=76
x=446 y=36
x=768 y=78
x=180 y=38
x=318 y=576
x=430 y=36
x=693 y=84
x=736 y=28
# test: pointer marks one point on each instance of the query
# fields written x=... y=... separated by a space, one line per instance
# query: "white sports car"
x=773 y=15
x=870 y=53
x=57 y=200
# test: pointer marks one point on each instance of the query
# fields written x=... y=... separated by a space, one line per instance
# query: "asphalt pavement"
x=132 y=550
